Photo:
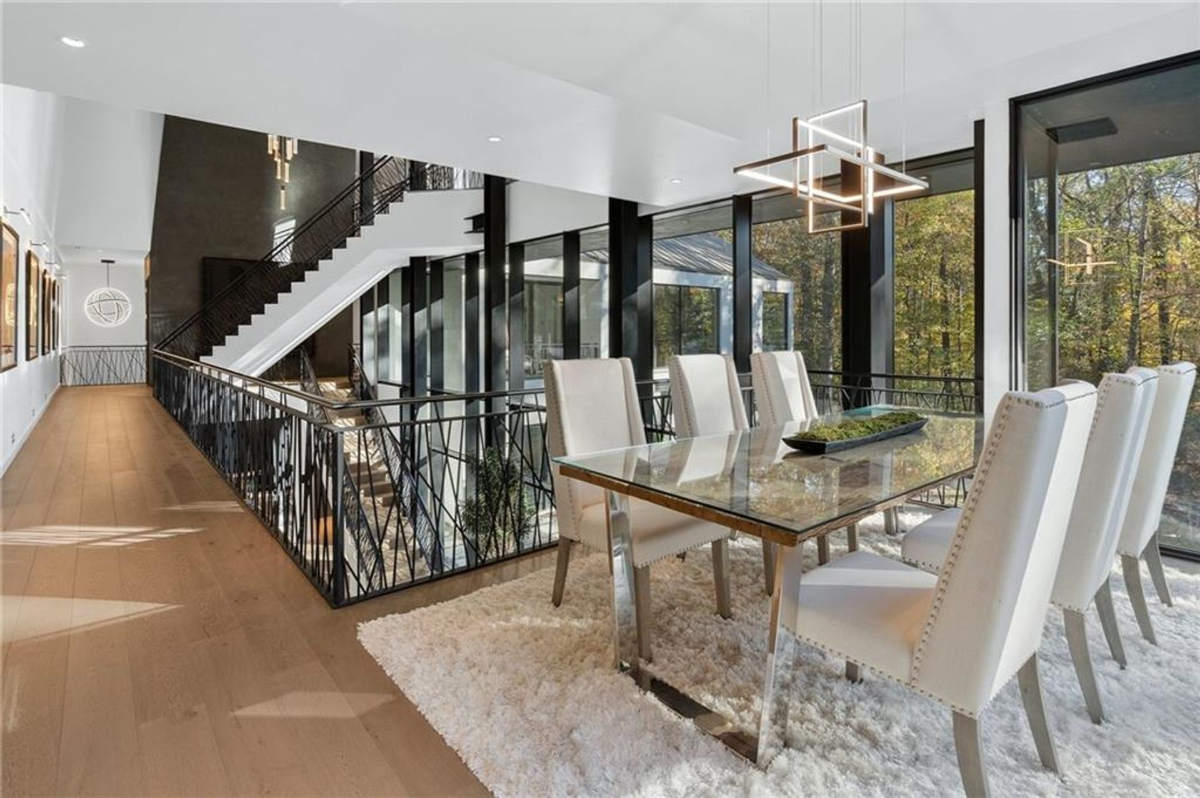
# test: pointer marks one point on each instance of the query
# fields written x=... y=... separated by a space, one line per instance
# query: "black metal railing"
x=373 y=495
x=102 y=365
x=290 y=259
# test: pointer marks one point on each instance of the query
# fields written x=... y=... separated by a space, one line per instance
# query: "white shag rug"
x=526 y=695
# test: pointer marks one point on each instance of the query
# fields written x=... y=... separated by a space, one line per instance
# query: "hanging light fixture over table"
x=861 y=175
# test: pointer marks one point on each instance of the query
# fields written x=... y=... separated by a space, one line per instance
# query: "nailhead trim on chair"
x=981 y=475
x=1106 y=389
x=757 y=366
x=552 y=385
x=910 y=685
x=669 y=555
x=1176 y=368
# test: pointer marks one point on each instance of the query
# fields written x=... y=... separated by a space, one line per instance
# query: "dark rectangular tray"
x=826 y=447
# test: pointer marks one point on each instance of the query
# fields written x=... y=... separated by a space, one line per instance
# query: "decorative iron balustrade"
x=340 y=219
x=102 y=365
x=374 y=495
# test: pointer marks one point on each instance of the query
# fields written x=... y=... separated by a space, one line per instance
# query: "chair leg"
x=720 y=558
x=853 y=672
x=1153 y=558
x=969 y=746
x=1131 y=568
x=1076 y=624
x=891 y=521
x=852 y=537
x=1108 y=619
x=641 y=594
x=770 y=552
x=560 y=571
x=1035 y=710
x=822 y=549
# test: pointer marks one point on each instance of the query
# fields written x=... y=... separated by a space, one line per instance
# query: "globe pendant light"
x=107 y=306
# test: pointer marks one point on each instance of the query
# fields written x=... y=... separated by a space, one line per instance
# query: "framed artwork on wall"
x=9 y=247
x=56 y=315
x=47 y=321
x=33 y=303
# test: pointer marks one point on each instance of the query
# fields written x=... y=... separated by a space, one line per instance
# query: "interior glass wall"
x=1110 y=212
x=808 y=267
x=934 y=277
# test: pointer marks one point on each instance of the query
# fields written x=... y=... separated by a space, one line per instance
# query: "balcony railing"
x=376 y=495
x=102 y=365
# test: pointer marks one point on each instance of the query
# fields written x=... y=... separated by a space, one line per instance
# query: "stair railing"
x=289 y=259
x=399 y=459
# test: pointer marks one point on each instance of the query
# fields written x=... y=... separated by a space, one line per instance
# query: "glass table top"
x=753 y=482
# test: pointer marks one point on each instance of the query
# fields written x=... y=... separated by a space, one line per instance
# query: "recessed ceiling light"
x=71 y=41
x=494 y=139
x=675 y=181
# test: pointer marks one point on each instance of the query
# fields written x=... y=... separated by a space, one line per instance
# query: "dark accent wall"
x=218 y=199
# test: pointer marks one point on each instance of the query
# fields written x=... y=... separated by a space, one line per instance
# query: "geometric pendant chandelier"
x=831 y=167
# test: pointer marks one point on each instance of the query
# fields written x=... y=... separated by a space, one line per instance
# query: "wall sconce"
x=24 y=214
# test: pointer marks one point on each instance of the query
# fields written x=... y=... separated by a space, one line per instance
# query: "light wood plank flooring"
x=157 y=641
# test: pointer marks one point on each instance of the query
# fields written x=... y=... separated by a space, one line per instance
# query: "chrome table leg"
x=781 y=657
x=625 y=609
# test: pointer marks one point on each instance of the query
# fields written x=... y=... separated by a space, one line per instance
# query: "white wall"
x=31 y=127
x=100 y=206
x=535 y=210
x=79 y=281
x=87 y=175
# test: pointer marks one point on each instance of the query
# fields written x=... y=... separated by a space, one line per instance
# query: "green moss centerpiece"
x=826 y=438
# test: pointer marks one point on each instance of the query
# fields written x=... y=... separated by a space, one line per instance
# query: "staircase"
x=328 y=261
x=379 y=541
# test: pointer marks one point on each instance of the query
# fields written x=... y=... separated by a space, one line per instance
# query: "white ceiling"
x=607 y=98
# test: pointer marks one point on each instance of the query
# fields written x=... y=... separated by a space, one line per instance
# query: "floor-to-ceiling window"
x=1109 y=190
x=685 y=322
x=593 y=293
x=811 y=265
x=774 y=321
x=693 y=282
x=543 y=305
x=934 y=271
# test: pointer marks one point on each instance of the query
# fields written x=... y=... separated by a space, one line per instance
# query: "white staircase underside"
x=430 y=223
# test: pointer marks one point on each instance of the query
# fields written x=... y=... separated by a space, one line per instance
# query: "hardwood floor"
x=157 y=641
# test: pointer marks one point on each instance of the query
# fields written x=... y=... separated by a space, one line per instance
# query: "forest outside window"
x=1111 y=225
x=686 y=322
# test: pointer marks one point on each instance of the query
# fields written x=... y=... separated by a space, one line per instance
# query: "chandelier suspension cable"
x=768 y=92
x=904 y=86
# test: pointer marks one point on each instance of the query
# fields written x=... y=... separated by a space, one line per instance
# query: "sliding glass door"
x=1109 y=267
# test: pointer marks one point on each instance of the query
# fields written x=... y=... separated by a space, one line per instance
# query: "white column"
x=997 y=260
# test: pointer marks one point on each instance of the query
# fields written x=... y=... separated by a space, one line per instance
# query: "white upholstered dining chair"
x=592 y=406
x=782 y=392
x=959 y=636
x=1139 y=534
x=1113 y=449
x=706 y=399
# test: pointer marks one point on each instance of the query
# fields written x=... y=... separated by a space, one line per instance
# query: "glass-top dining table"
x=754 y=483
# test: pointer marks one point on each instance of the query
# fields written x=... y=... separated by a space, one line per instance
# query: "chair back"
x=1114 y=446
x=993 y=592
x=782 y=392
x=706 y=397
x=1175 y=382
x=591 y=406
